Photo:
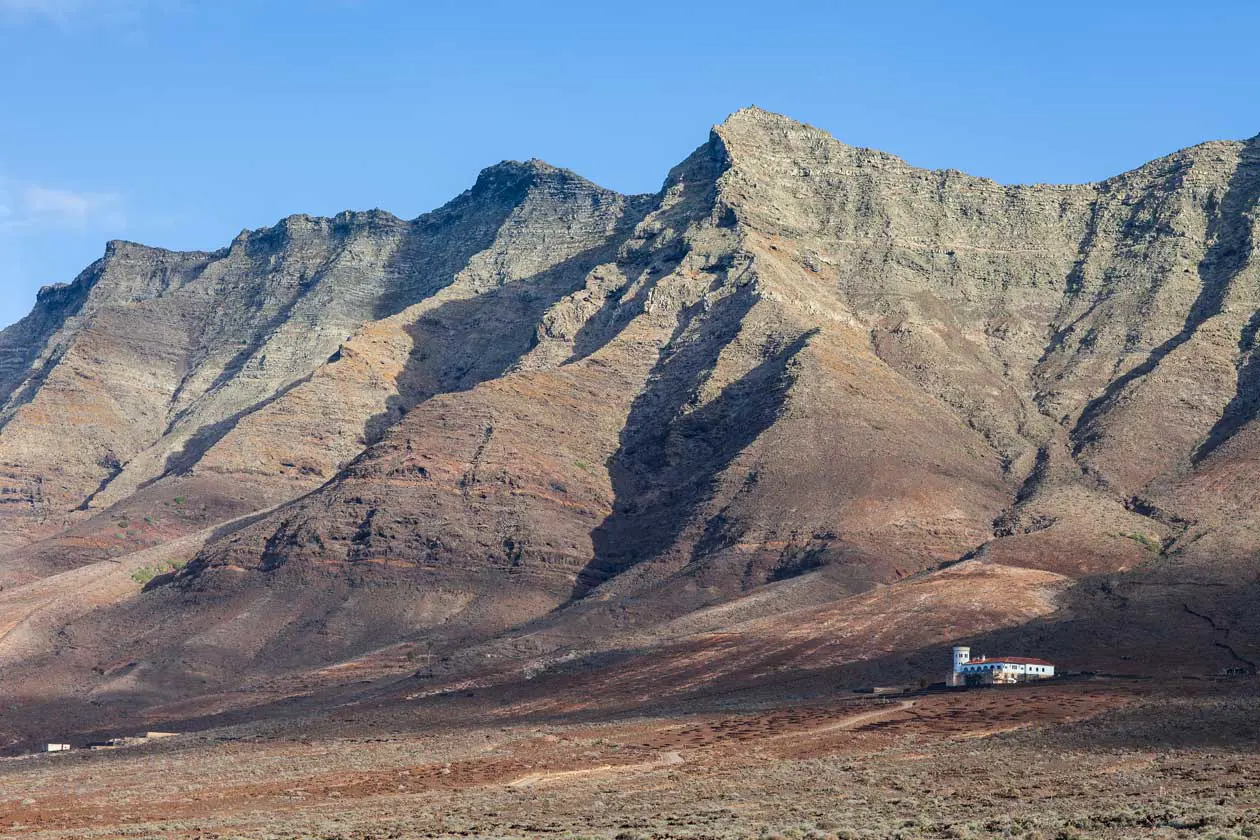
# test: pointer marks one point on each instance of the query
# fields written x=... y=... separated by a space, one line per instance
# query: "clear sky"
x=180 y=122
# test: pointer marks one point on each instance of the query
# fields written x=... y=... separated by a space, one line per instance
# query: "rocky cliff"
x=549 y=417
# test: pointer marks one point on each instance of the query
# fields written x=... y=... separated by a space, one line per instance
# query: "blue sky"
x=180 y=122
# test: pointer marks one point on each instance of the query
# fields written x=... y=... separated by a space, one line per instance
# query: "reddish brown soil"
x=954 y=763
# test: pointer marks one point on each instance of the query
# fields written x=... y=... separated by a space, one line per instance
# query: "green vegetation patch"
x=1145 y=540
x=145 y=574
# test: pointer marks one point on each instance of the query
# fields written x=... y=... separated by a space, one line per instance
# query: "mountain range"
x=808 y=411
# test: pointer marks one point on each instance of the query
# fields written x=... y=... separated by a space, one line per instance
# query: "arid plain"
x=1083 y=758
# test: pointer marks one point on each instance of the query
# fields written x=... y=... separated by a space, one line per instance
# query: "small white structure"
x=961 y=656
x=57 y=748
x=996 y=669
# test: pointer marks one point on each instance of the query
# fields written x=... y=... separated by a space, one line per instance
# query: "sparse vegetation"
x=145 y=574
x=1145 y=540
x=1152 y=767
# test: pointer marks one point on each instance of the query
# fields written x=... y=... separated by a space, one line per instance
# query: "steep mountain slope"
x=169 y=358
x=548 y=418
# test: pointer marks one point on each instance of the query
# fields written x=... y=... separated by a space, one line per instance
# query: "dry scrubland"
x=1102 y=758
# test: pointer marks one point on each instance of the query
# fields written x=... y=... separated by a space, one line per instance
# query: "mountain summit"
x=838 y=408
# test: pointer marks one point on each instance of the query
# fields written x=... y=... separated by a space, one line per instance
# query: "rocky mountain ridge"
x=547 y=417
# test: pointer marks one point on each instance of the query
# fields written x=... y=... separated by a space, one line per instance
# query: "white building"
x=997 y=669
x=57 y=748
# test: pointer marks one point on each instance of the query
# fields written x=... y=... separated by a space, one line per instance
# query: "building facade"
x=988 y=670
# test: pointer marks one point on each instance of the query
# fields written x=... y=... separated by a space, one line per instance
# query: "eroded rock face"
x=548 y=405
x=153 y=363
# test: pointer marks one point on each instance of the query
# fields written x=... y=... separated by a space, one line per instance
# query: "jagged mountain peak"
x=755 y=115
x=755 y=134
x=517 y=173
x=303 y=225
x=120 y=247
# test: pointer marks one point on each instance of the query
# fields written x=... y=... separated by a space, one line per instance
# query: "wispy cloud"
x=67 y=206
x=34 y=206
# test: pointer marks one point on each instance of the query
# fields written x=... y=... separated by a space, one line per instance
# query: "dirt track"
x=851 y=723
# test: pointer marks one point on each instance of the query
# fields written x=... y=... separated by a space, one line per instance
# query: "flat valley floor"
x=1073 y=759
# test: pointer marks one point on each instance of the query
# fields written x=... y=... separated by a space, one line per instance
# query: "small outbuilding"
x=57 y=748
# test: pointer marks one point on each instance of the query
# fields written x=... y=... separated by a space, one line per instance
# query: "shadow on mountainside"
x=22 y=343
x=1229 y=232
x=440 y=244
x=617 y=313
x=1093 y=632
x=693 y=184
x=458 y=345
x=260 y=336
x=261 y=250
x=669 y=458
x=431 y=251
x=1108 y=624
x=465 y=342
x=201 y=441
x=1073 y=286
x=1245 y=404
x=428 y=257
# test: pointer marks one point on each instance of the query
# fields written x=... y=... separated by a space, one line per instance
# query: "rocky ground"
x=1084 y=758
